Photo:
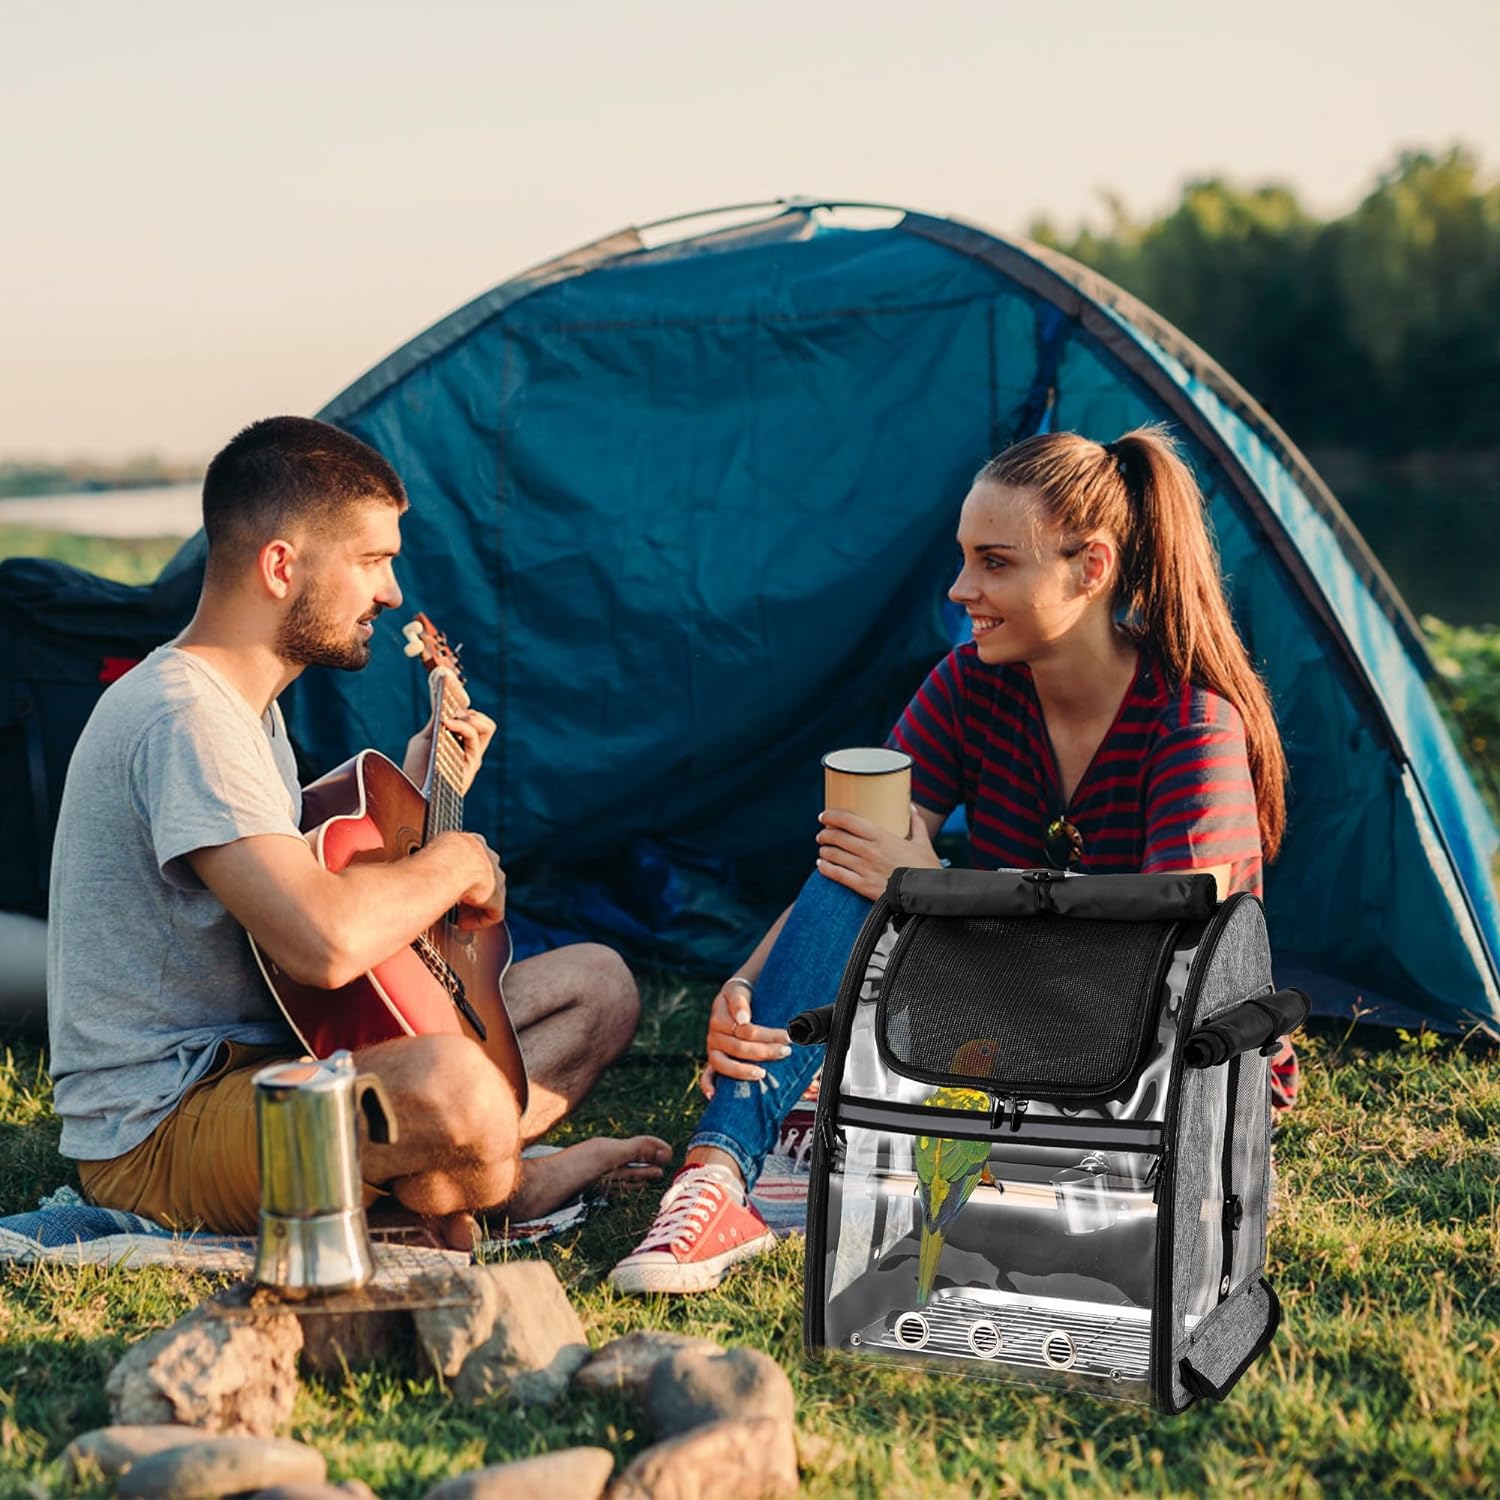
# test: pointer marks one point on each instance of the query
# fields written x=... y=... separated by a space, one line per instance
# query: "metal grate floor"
x=999 y=1327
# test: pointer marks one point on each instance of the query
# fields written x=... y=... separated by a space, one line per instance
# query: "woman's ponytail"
x=1175 y=592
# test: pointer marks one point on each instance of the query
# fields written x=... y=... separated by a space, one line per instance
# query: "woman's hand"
x=736 y=1049
x=473 y=732
x=861 y=855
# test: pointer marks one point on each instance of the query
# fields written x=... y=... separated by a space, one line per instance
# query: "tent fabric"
x=690 y=509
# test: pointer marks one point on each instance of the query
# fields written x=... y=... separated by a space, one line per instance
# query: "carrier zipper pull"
x=830 y=1135
x=1155 y=1175
x=1008 y=1104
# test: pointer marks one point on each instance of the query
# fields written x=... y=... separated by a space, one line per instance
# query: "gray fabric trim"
x=1220 y=1343
x=1238 y=966
x=1252 y=1165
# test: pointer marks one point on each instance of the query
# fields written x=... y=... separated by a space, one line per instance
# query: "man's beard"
x=309 y=637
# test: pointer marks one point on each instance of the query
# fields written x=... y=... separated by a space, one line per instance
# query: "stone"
x=312 y=1492
x=114 y=1449
x=736 y=1460
x=694 y=1386
x=569 y=1474
x=332 y=1342
x=222 y=1374
x=221 y=1466
x=625 y=1364
x=520 y=1337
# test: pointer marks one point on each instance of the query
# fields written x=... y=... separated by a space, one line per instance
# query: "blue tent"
x=687 y=496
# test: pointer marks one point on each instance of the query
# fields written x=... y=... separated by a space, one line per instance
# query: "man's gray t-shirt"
x=146 y=971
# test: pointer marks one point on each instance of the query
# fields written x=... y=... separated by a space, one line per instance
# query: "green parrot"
x=949 y=1171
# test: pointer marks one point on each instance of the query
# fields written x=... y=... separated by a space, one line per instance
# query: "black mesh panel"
x=1036 y=1004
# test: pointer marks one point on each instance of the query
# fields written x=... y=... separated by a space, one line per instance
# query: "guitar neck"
x=445 y=802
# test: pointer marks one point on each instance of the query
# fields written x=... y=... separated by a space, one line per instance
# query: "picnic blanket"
x=65 y=1228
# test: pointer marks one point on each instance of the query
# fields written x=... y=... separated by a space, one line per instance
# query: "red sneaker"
x=701 y=1229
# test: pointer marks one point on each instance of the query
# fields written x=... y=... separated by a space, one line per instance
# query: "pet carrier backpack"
x=1042 y=1147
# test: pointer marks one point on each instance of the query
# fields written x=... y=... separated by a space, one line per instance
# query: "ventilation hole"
x=984 y=1339
x=911 y=1330
x=855 y=1340
x=1058 y=1351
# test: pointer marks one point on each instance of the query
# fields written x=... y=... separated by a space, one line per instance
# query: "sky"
x=214 y=212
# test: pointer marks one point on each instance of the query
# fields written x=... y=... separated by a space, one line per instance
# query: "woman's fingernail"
x=760 y=1073
x=783 y=1052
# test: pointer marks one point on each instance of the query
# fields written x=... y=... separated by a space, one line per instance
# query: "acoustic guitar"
x=445 y=979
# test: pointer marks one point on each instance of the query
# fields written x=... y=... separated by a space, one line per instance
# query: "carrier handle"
x=1030 y=893
x=1199 y=1383
x=811 y=1027
x=1250 y=1026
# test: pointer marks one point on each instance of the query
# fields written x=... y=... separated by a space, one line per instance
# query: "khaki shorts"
x=200 y=1168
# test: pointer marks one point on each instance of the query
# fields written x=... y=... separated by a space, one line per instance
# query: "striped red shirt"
x=1168 y=788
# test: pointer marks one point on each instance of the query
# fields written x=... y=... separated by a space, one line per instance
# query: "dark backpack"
x=65 y=635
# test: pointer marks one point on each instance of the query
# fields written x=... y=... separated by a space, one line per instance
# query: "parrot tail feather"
x=928 y=1254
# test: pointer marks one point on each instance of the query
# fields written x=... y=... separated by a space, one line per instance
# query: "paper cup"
x=873 y=783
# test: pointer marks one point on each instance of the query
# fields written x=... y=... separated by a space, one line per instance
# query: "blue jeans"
x=801 y=971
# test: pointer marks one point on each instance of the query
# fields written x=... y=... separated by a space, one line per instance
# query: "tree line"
x=1379 y=330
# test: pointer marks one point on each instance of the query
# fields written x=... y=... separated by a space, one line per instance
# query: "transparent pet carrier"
x=995 y=1188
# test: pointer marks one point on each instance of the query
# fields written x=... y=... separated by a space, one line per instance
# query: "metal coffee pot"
x=313 y=1234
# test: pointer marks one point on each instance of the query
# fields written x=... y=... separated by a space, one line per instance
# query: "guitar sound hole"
x=412 y=849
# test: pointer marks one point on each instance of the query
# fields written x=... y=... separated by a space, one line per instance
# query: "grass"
x=1384 y=1380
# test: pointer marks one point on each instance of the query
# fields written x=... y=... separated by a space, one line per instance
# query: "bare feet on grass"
x=546 y=1183
x=611 y=1161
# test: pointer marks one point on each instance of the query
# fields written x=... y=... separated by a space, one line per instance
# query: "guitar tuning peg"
x=413 y=633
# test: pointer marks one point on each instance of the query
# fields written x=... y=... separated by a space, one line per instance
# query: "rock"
x=626 y=1363
x=333 y=1341
x=694 y=1386
x=114 y=1449
x=749 y=1460
x=448 y=1335
x=313 y=1491
x=235 y=1375
x=522 y=1337
x=570 y=1474
x=221 y=1466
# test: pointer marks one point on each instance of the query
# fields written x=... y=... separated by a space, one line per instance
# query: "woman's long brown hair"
x=1170 y=591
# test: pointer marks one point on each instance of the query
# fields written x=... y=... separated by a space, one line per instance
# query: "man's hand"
x=482 y=903
x=472 y=733
x=736 y=1049
x=861 y=855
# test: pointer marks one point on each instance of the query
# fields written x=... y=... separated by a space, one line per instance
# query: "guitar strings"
x=447 y=804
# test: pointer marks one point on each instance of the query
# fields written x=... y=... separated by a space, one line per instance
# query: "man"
x=178 y=834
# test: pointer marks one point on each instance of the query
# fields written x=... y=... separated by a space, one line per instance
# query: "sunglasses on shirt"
x=1062 y=843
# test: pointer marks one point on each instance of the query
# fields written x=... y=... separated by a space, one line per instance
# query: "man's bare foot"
x=458 y=1231
x=547 y=1181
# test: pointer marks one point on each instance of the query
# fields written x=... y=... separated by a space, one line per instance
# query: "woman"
x=1105 y=718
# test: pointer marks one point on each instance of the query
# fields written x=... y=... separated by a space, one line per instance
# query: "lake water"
x=172 y=510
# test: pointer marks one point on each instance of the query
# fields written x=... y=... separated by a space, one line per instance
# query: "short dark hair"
x=283 y=471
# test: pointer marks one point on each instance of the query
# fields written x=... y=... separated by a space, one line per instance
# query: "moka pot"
x=313 y=1234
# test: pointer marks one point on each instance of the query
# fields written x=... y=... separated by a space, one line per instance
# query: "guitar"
x=445 y=979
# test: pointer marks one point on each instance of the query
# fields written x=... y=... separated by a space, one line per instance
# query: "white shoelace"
x=686 y=1210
